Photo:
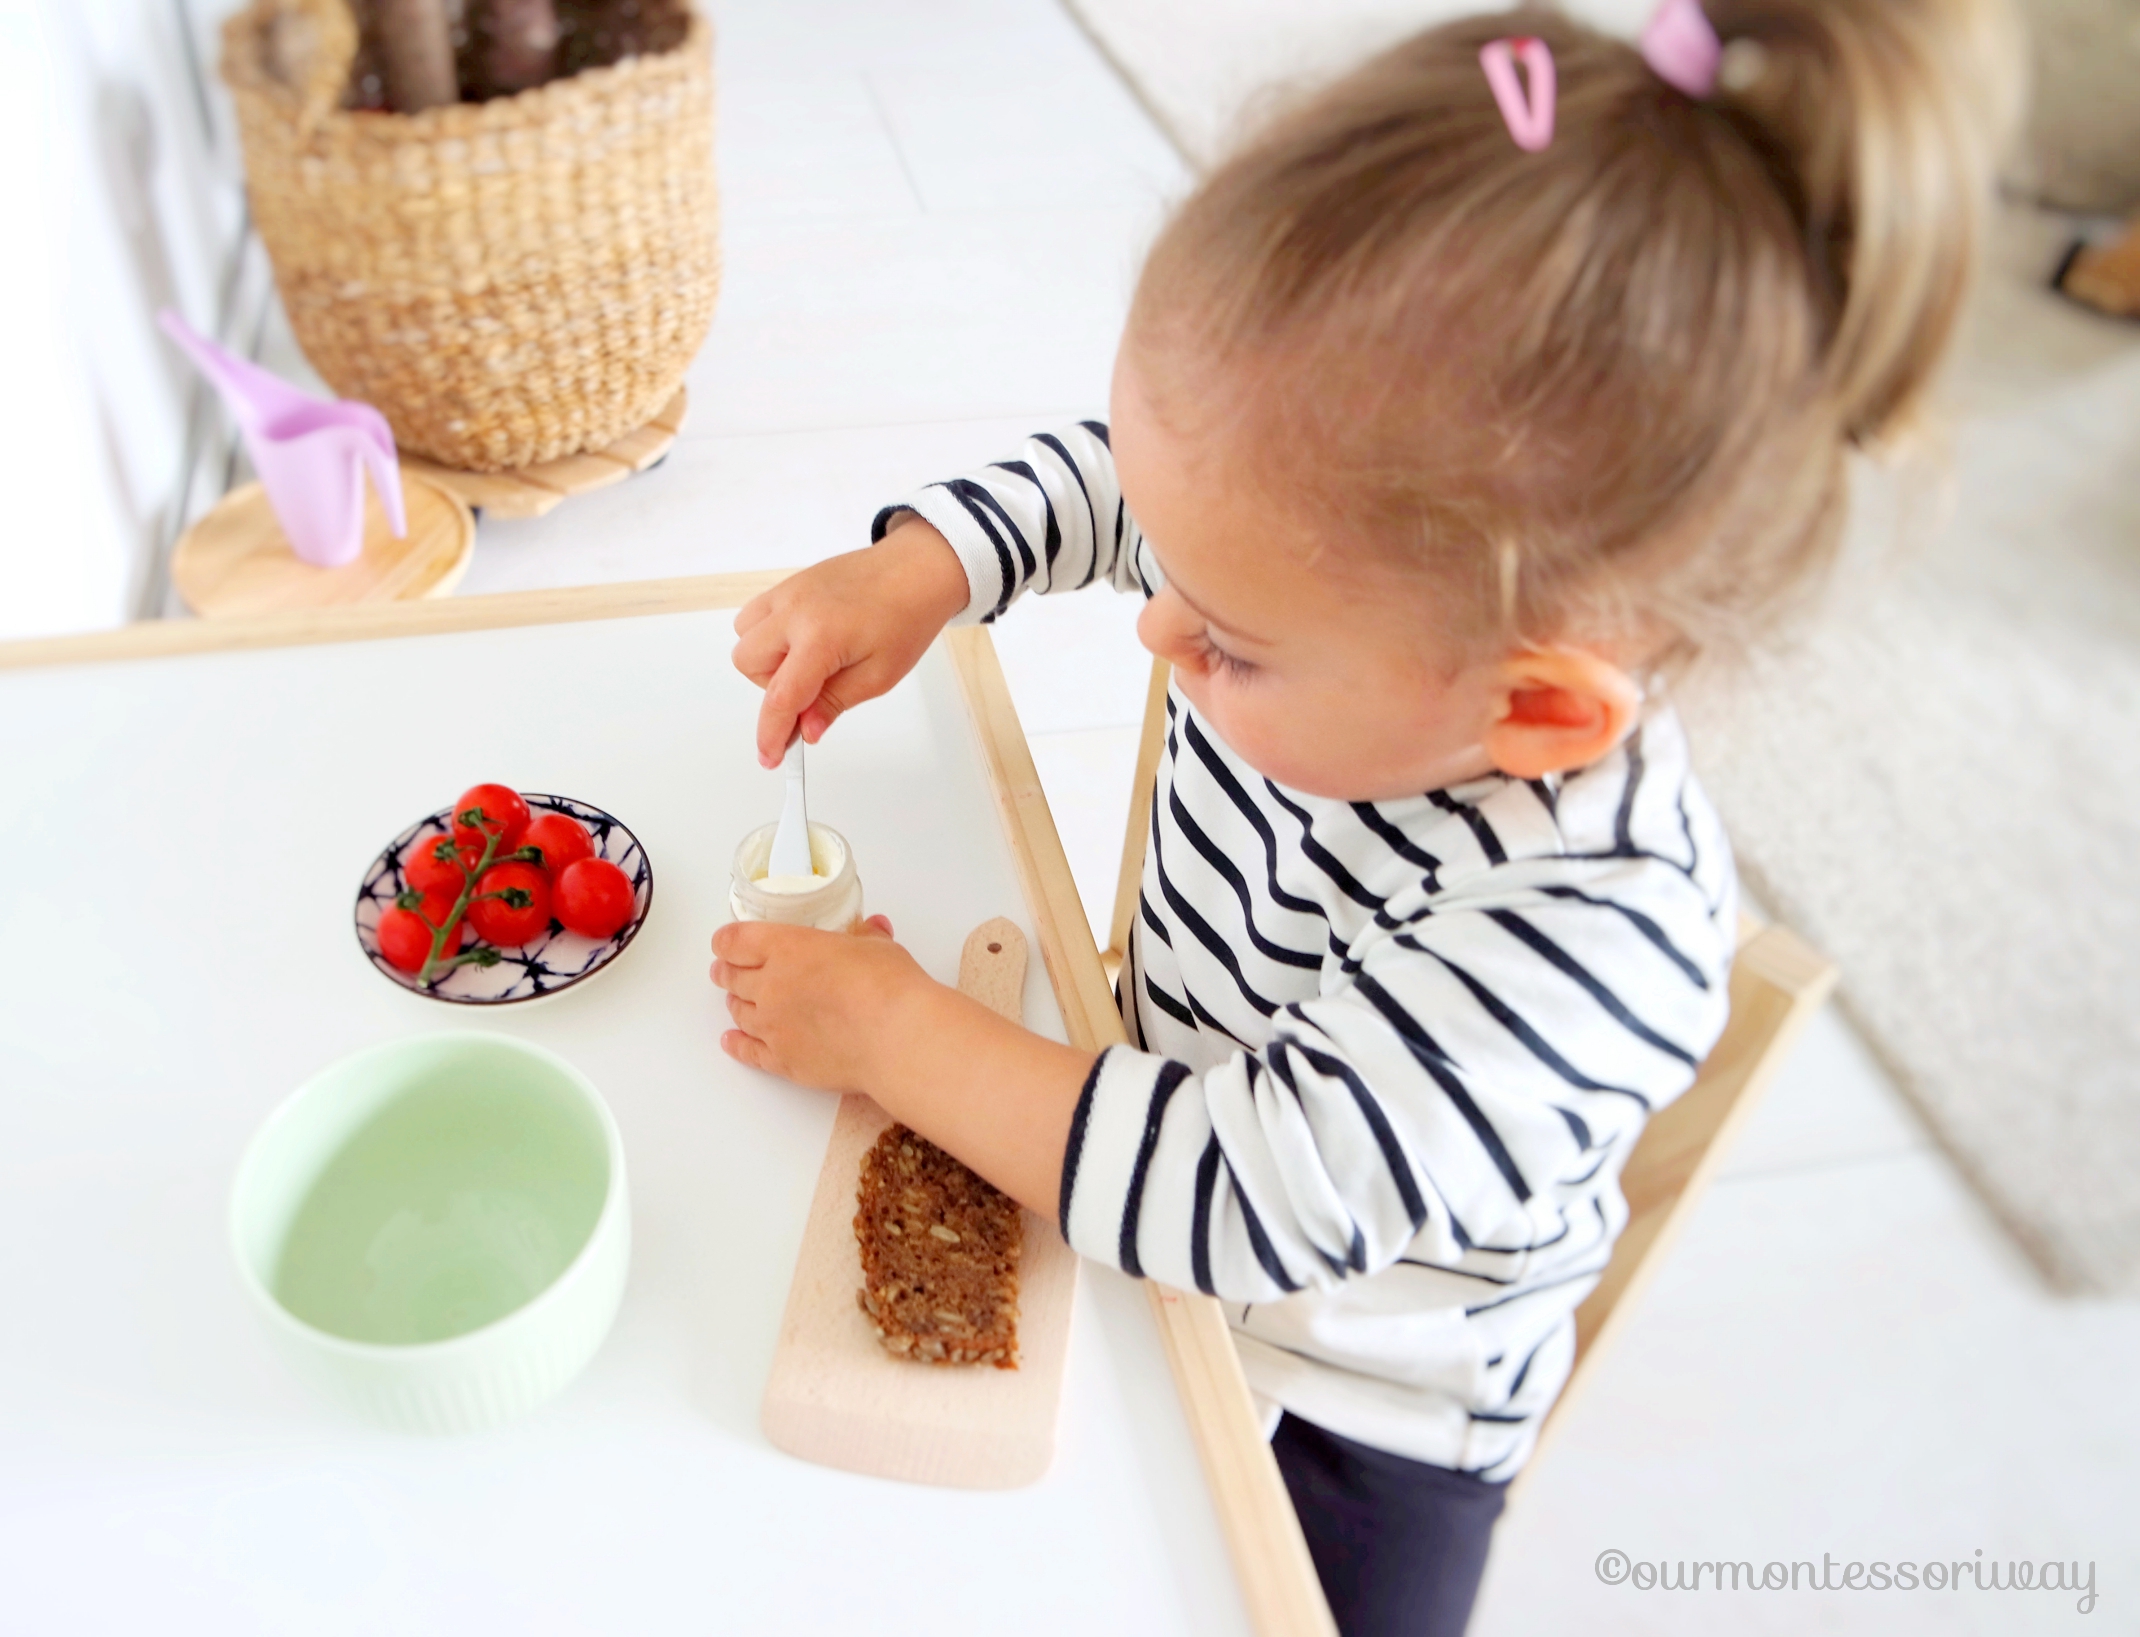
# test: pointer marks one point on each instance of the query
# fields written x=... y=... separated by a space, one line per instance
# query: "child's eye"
x=1233 y=665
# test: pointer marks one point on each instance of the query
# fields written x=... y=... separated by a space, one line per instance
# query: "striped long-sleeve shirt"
x=1389 y=1057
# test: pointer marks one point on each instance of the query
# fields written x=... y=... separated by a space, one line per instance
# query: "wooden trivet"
x=836 y=1397
x=531 y=491
x=236 y=560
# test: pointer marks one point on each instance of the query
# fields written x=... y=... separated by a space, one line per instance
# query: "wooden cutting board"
x=835 y=1397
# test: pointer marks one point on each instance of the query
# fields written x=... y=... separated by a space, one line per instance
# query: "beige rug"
x=1939 y=783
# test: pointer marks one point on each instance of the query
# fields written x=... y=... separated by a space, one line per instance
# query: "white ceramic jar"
x=834 y=906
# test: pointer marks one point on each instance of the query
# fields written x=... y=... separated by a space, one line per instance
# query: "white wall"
x=119 y=196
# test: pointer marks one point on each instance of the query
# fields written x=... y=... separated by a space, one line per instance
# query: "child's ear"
x=1556 y=709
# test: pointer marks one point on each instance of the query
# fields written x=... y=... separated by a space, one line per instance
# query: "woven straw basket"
x=510 y=281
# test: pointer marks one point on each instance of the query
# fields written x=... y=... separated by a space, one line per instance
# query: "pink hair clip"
x=1529 y=121
x=1681 y=47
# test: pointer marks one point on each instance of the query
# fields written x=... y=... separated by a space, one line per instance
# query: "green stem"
x=437 y=957
x=486 y=956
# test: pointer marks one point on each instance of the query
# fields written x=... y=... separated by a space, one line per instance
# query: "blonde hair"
x=1612 y=383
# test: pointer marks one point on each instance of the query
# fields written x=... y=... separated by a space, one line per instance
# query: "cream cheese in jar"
x=830 y=897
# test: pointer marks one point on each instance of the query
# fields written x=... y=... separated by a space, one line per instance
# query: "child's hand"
x=855 y=1012
x=846 y=630
x=812 y=1007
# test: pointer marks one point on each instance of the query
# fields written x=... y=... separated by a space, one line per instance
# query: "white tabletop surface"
x=912 y=280
x=176 y=956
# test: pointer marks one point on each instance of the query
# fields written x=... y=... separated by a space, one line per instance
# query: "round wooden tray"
x=531 y=491
x=237 y=561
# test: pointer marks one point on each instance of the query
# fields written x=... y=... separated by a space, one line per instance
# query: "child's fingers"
x=802 y=673
x=753 y=612
x=737 y=980
x=744 y=1049
x=758 y=652
x=741 y=1010
x=877 y=926
x=819 y=715
x=744 y=943
x=793 y=690
x=776 y=728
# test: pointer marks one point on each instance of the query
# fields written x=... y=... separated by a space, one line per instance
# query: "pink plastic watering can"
x=311 y=453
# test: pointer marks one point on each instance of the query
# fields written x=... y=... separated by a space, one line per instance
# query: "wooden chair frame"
x=1777 y=983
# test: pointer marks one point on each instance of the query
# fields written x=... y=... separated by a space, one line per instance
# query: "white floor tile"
x=808 y=143
x=1831 y=1102
x=858 y=321
x=794 y=34
x=843 y=305
x=1014 y=126
x=1851 y=1360
x=722 y=503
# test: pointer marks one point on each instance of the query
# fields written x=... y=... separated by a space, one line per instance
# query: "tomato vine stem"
x=475 y=819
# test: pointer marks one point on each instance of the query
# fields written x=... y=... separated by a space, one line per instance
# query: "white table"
x=185 y=836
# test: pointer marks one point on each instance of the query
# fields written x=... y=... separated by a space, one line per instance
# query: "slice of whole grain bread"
x=940 y=1253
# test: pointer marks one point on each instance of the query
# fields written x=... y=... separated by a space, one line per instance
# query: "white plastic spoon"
x=791 y=842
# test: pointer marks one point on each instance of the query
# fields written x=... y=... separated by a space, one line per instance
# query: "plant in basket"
x=418 y=54
x=495 y=220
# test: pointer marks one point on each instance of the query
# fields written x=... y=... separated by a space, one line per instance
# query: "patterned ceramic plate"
x=546 y=963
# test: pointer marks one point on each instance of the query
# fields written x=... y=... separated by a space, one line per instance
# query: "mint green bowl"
x=436 y=1230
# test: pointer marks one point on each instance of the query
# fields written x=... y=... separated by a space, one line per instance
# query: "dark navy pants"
x=1400 y=1545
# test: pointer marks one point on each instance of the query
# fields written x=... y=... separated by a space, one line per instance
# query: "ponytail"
x=1886 y=117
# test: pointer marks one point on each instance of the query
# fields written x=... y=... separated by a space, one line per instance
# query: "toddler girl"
x=1457 y=411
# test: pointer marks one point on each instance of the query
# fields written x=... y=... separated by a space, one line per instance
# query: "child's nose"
x=1158 y=625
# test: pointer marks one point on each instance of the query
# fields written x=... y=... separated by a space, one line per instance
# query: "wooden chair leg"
x=1131 y=871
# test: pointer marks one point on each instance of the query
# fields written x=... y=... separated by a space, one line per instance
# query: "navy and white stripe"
x=1390 y=1057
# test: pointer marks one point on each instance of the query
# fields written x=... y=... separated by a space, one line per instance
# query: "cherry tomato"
x=499 y=921
x=563 y=840
x=503 y=811
x=404 y=940
x=594 y=898
x=405 y=935
x=428 y=873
